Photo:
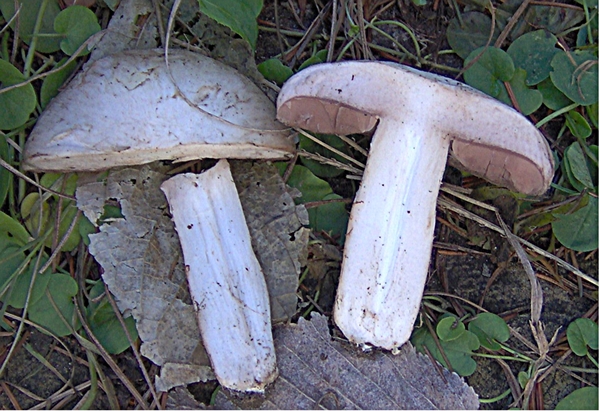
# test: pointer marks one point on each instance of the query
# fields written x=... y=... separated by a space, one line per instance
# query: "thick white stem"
x=390 y=234
x=226 y=282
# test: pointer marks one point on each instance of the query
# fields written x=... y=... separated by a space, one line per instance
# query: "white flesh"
x=225 y=279
x=390 y=234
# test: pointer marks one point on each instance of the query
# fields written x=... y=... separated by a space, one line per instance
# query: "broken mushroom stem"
x=420 y=118
x=226 y=282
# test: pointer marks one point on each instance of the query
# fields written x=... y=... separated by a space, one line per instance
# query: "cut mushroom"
x=225 y=279
x=420 y=117
x=128 y=109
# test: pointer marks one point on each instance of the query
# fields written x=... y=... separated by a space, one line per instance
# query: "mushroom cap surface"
x=125 y=109
x=489 y=139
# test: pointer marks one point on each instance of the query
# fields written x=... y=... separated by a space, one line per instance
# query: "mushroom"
x=419 y=118
x=129 y=109
x=226 y=281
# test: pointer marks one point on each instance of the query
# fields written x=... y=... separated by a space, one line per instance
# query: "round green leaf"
x=474 y=33
x=576 y=75
x=54 y=81
x=27 y=21
x=585 y=398
x=12 y=229
x=449 y=328
x=532 y=52
x=458 y=351
x=553 y=98
x=312 y=187
x=274 y=70
x=578 y=166
x=528 y=100
x=579 y=230
x=239 y=15
x=581 y=334
x=317 y=58
x=22 y=283
x=489 y=328
x=77 y=24
x=331 y=218
x=15 y=105
x=578 y=125
x=492 y=67
x=592 y=112
x=106 y=326
x=30 y=211
x=56 y=306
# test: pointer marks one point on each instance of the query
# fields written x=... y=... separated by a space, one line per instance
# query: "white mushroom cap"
x=488 y=138
x=125 y=110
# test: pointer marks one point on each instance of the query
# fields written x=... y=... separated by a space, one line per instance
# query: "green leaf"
x=56 y=182
x=576 y=75
x=579 y=230
x=585 y=398
x=11 y=228
x=323 y=170
x=457 y=351
x=27 y=20
x=15 y=105
x=578 y=165
x=554 y=19
x=77 y=24
x=105 y=325
x=532 y=52
x=239 y=15
x=553 y=98
x=528 y=100
x=312 y=187
x=30 y=211
x=332 y=217
x=54 y=81
x=591 y=4
x=592 y=112
x=489 y=328
x=56 y=302
x=68 y=213
x=85 y=228
x=22 y=283
x=581 y=334
x=317 y=58
x=578 y=125
x=5 y=175
x=492 y=67
x=274 y=70
x=449 y=328
x=473 y=34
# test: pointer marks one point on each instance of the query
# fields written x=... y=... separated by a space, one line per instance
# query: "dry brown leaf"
x=142 y=261
x=318 y=372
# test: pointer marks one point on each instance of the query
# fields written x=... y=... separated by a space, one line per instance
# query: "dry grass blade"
x=446 y=204
x=31 y=181
x=136 y=352
x=97 y=347
x=328 y=147
x=329 y=161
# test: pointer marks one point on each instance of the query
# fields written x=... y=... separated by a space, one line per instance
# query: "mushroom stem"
x=226 y=282
x=389 y=240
